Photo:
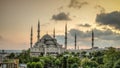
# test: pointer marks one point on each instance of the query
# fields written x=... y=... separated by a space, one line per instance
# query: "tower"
x=38 y=36
x=54 y=33
x=92 y=39
x=31 y=37
x=75 y=41
x=66 y=36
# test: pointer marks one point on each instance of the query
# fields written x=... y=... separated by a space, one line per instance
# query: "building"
x=48 y=45
x=4 y=53
x=10 y=63
x=45 y=45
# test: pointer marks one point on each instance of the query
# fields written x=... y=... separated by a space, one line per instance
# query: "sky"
x=81 y=16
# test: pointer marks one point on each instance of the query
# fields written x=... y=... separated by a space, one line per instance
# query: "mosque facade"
x=45 y=45
x=48 y=44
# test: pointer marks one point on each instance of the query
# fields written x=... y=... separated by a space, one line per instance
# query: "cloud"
x=112 y=19
x=84 y=25
x=77 y=4
x=102 y=9
x=61 y=17
x=102 y=38
x=79 y=33
x=99 y=34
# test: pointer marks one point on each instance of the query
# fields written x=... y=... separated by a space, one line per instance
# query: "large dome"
x=48 y=40
x=46 y=36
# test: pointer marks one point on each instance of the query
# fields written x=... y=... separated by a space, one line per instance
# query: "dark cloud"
x=112 y=19
x=102 y=38
x=77 y=4
x=99 y=34
x=105 y=35
x=79 y=33
x=102 y=9
x=84 y=25
x=61 y=17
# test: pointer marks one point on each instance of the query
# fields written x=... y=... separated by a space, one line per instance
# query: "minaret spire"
x=31 y=37
x=38 y=36
x=54 y=33
x=66 y=36
x=75 y=41
x=92 y=38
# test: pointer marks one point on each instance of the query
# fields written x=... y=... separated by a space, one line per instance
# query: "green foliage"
x=11 y=56
x=29 y=65
x=24 y=57
x=99 y=60
x=83 y=53
x=97 y=53
x=57 y=63
x=47 y=61
x=111 y=56
x=117 y=64
x=64 y=61
x=101 y=66
x=75 y=65
x=85 y=63
x=33 y=64
x=39 y=65
x=95 y=59
x=35 y=59
x=72 y=60
x=108 y=64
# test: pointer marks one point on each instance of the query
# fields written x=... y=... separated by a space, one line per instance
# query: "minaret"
x=75 y=41
x=31 y=37
x=92 y=39
x=38 y=36
x=66 y=36
x=54 y=33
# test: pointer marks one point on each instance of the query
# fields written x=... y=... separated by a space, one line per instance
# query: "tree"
x=111 y=56
x=11 y=56
x=29 y=65
x=47 y=61
x=57 y=63
x=99 y=60
x=64 y=62
x=83 y=54
x=108 y=64
x=101 y=66
x=86 y=63
x=117 y=64
x=33 y=64
x=72 y=60
x=75 y=65
x=24 y=57
x=38 y=65
x=35 y=59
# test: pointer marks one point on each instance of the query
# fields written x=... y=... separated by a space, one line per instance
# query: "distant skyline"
x=17 y=17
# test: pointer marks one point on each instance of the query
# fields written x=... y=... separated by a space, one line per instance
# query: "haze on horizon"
x=17 y=17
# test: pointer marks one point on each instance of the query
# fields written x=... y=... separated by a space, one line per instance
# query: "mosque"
x=48 y=45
